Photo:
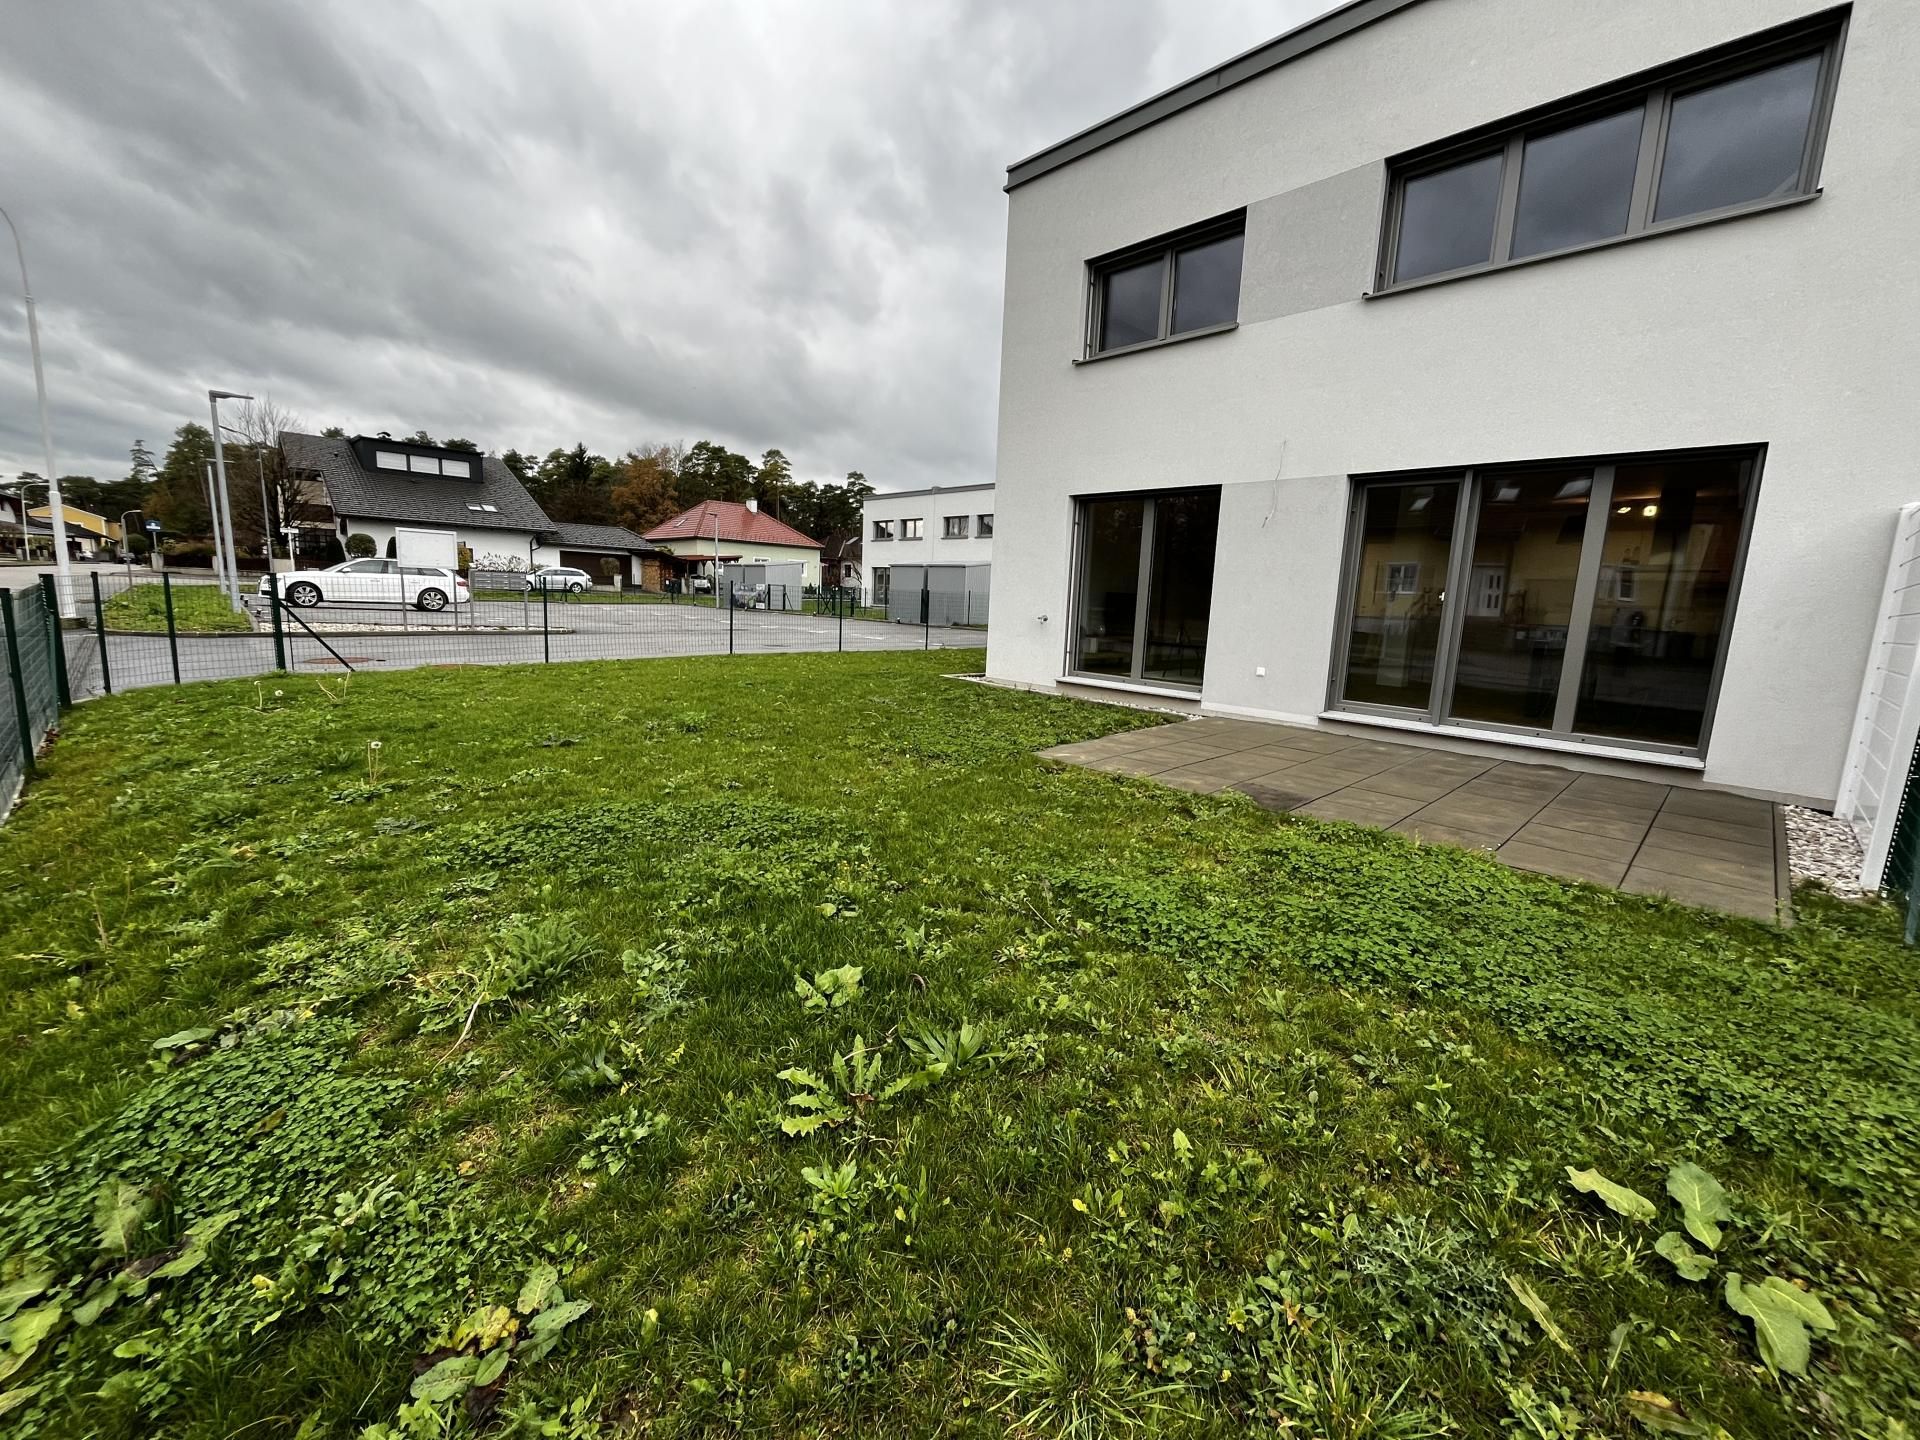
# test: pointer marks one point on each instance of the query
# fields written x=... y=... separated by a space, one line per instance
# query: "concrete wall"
x=1797 y=329
x=930 y=507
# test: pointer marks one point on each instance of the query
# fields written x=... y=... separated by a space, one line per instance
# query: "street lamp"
x=231 y=558
x=55 y=505
x=266 y=515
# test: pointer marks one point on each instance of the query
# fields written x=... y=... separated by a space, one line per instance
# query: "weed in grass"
x=1170 y=1116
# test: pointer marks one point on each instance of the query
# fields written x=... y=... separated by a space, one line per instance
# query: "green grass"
x=195 y=607
x=1147 y=1113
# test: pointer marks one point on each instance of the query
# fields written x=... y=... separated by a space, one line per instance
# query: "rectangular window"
x=1740 y=128
x=389 y=460
x=1588 y=601
x=953 y=527
x=1180 y=284
x=883 y=529
x=459 y=469
x=910 y=529
x=983 y=526
x=423 y=465
x=1145 y=586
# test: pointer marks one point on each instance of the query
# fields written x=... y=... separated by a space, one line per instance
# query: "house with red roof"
x=731 y=532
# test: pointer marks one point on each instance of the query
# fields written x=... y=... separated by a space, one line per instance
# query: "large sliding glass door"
x=1145 y=586
x=1588 y=601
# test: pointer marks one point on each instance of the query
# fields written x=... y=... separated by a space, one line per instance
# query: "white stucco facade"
x=748 y=552
x=1796 y=330
x=518 y=544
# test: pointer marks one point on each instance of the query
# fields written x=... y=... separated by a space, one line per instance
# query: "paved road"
x=578 y=632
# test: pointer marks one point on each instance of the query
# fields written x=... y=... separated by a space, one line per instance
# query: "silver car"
x=559 y=577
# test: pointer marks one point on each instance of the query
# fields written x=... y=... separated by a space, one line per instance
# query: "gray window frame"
x=1822 y=35
x=983 y=525
x=948 y=522
x=883 y=531
x=1458 y=580
x=1166 y=247
x=1142 y=600
x=914 y=528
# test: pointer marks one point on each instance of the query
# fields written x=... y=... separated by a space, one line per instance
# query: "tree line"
x=640 y=489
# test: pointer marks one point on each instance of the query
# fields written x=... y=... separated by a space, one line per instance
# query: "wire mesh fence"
x=143 y=629
x=35 y=683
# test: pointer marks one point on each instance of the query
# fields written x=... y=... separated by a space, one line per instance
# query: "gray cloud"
x=757 y=222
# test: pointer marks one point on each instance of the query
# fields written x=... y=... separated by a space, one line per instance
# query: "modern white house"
x=938 y=539
x=1533 y=380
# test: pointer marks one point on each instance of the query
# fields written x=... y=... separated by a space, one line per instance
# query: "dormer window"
x=423 y=464
x=389 y=460
x=457 y=469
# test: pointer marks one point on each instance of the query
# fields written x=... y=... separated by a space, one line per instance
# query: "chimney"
x=753 y=507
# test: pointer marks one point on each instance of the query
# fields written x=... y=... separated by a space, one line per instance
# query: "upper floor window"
x=983 y=526
x=910 y=529
x=1178 y=284
x=389 y=460
x=883 y=529
x=953 y=527
x=1737 y=130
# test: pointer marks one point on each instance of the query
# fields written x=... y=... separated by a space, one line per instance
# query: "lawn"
x=143 y=606
x=773 y=1045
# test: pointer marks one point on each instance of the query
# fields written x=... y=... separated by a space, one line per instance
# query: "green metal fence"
x=1903 y=851
x=36 y=683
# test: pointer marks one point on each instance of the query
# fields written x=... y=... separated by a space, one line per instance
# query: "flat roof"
x=930 y=490
x=1302 y=40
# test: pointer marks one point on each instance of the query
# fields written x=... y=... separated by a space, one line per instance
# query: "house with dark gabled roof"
x=732 y=532
x=604 y=551
x=381 y=488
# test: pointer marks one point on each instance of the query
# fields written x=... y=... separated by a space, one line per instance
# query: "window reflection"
x=1110 y=585
x=1659 y=613
x=1519 y=601
x=1406 y=536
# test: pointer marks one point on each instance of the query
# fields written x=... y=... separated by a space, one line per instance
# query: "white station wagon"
x=425 y=587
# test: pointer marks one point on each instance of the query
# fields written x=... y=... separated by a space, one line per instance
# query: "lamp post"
x=232 y=556
x=56 y=507
x=266 y=515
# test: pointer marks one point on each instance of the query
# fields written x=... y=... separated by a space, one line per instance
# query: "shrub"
x=360 y=546
x=137 y=546
x=511 y=563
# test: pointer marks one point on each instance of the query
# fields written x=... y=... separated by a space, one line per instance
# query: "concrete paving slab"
x=1700 y=847
x=1567 y=864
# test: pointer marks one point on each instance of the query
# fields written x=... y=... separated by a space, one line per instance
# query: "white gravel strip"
x=1819 y=847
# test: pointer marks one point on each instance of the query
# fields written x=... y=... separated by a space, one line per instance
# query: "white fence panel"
x=1888 y=722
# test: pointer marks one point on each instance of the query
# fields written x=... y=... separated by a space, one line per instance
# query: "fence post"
x=926 y=618
x=841 y=611
x=728 y=590
x=19 y=681
x=272 y=587
x=58 y=640
x=173 y=634
x=546 y=635
x=100 y=629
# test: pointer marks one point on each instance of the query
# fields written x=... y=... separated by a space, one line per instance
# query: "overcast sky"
x=764 y=222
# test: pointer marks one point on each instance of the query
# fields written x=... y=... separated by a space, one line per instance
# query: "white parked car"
x=426 y=587
x=559 y=577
